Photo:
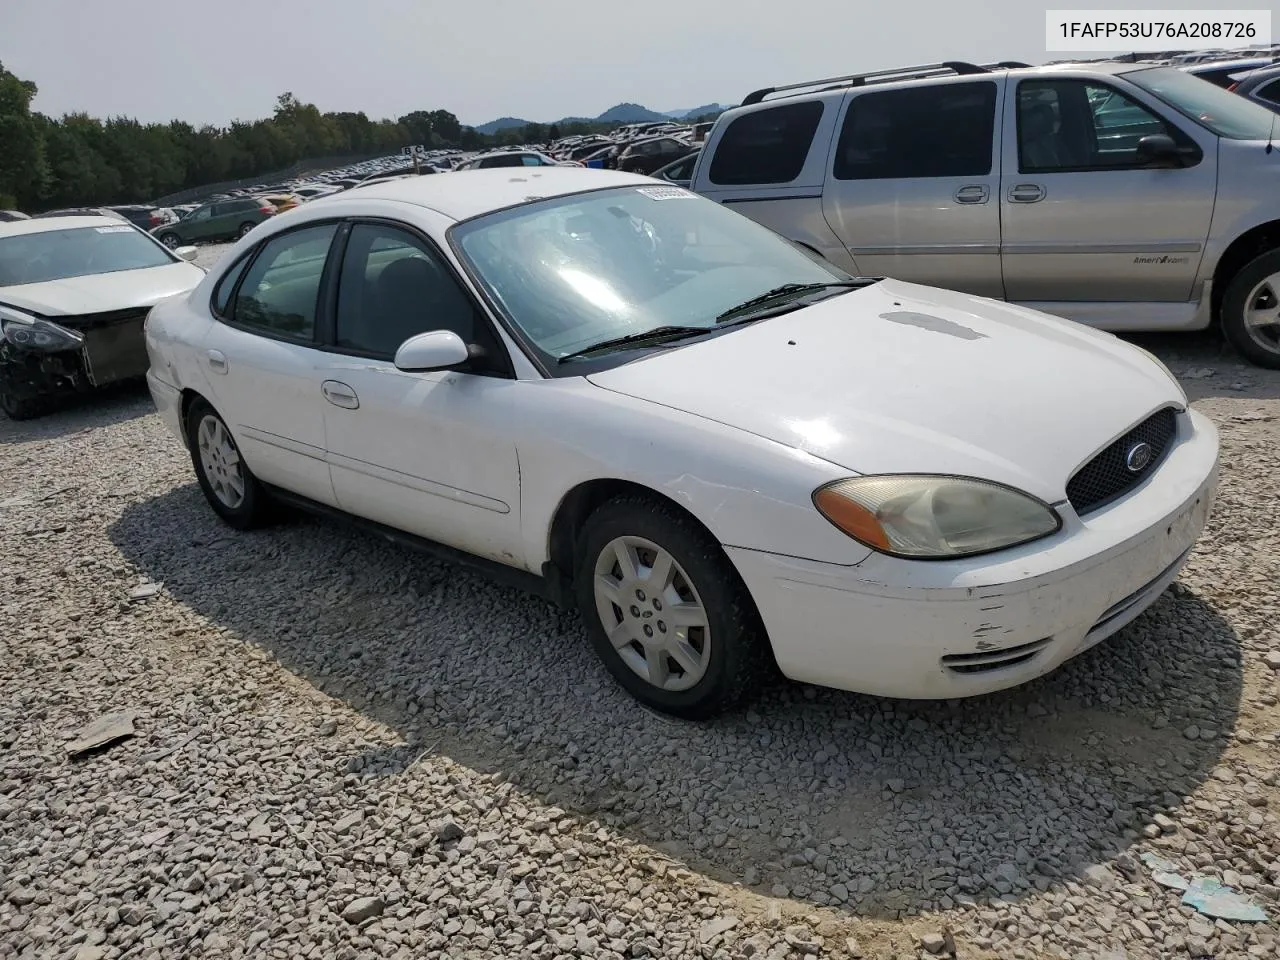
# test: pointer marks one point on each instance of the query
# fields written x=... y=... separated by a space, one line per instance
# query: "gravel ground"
x=343 y=749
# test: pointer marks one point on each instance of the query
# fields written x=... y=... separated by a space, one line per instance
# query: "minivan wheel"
x=244 y=229
x=171 y=240
x=228 y=484
x=666 y=611
x=1251 y=310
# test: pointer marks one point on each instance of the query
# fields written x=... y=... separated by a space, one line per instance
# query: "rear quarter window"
x=766 y=146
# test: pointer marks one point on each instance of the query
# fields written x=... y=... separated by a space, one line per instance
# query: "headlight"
x=32 y=333
x=926 y=517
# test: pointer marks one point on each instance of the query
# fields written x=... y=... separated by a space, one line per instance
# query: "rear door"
x=769 y=164
x=263 y=361
x=914 y=180
x=1084 y=220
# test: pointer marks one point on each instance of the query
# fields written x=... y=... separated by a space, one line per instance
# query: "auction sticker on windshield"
x=666 y=193
x=120 y=229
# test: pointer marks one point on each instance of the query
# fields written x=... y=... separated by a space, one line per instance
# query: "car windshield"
x=579 y=270
x=76 y=252
x=1226 y=114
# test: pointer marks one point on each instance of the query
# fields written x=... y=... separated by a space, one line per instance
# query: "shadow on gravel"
x=114 y=404
x=887 y=807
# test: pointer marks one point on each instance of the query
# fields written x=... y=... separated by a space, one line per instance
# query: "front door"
x=912 y=190
x=1083 y=218
x=430 y=453
x=197 y=226
x=263 y=363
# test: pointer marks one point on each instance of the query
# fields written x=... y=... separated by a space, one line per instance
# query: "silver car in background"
x=1122 y=195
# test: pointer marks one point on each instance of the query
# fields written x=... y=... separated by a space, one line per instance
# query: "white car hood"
x=103 y=292
x=902 y=378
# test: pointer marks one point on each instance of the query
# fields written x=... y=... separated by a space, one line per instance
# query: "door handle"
x=977 y=193
x=340 y=395
x=217 y=361
x=1026 y=193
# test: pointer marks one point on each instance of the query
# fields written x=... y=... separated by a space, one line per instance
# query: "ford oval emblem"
x=1138 y=458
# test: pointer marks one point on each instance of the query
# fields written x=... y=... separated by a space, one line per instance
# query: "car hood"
x=103 y=292
x=902 y=378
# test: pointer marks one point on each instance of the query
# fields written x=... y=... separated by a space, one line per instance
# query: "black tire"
x=20 y=408
x=171 y=240
x=740 y=658
x=253 y=510
x=244 y=229
x=1235 y=303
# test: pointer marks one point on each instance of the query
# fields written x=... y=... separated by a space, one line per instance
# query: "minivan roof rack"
x=945 y=68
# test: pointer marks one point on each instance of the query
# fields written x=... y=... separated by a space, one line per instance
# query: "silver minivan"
x=1122 y=195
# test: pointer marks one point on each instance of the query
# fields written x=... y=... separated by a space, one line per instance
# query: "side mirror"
x=434 y=350
x=187 y=253
x=1159 y=148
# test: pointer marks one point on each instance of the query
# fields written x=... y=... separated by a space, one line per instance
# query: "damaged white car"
x=725 y=454
x=74 y=293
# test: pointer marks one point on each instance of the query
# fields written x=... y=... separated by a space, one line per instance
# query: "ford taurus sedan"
x=730 y=457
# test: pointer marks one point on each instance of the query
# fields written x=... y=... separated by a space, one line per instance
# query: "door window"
x=1270 y=92
x=393 y=287
x=281 y=287
x=766 y=146
x=1072 y=125
x=203 y=213
x=945 y=130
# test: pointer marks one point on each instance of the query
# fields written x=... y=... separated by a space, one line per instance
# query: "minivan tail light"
x=266 y=208
x=1232 y=88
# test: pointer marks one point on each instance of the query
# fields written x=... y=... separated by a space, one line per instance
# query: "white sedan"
x=73 y=294
x=727 y=454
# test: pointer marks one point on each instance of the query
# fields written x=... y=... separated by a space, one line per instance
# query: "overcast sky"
x=212 y=61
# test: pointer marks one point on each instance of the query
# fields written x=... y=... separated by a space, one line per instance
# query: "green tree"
x=23 y=169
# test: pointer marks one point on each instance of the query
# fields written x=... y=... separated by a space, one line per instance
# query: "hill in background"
x=619 y=114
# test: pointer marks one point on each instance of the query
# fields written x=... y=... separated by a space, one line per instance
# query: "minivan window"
x=1226 y=114
x=945 y=130
x=766 y=146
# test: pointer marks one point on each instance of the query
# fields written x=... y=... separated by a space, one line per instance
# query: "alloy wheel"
x=1262 y=314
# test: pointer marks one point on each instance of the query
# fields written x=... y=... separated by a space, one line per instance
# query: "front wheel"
x=171 y=240
x=1251 y=310
x=228 y=484
x=666 y=611
x=20 y=408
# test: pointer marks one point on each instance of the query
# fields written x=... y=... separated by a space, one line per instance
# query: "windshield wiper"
x=790 y=288
x=655 y=335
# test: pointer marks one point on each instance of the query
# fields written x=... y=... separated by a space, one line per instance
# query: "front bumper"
x=937 y=630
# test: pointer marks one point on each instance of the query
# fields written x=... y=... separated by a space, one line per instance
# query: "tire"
x=738 y=660
x=1255 y=289
x=252 y=508
x=171 y=240
x=20 y=408
x=244 y=229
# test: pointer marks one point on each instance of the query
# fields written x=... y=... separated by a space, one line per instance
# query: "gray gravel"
x=343 y=749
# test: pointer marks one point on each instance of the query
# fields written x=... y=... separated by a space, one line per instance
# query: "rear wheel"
x=244 y=229
x=666 y=611
x=228 y=484
x=1251 y=310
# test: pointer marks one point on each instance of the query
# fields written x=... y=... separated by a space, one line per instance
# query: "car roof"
x=462 y=194
x=45 y=224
